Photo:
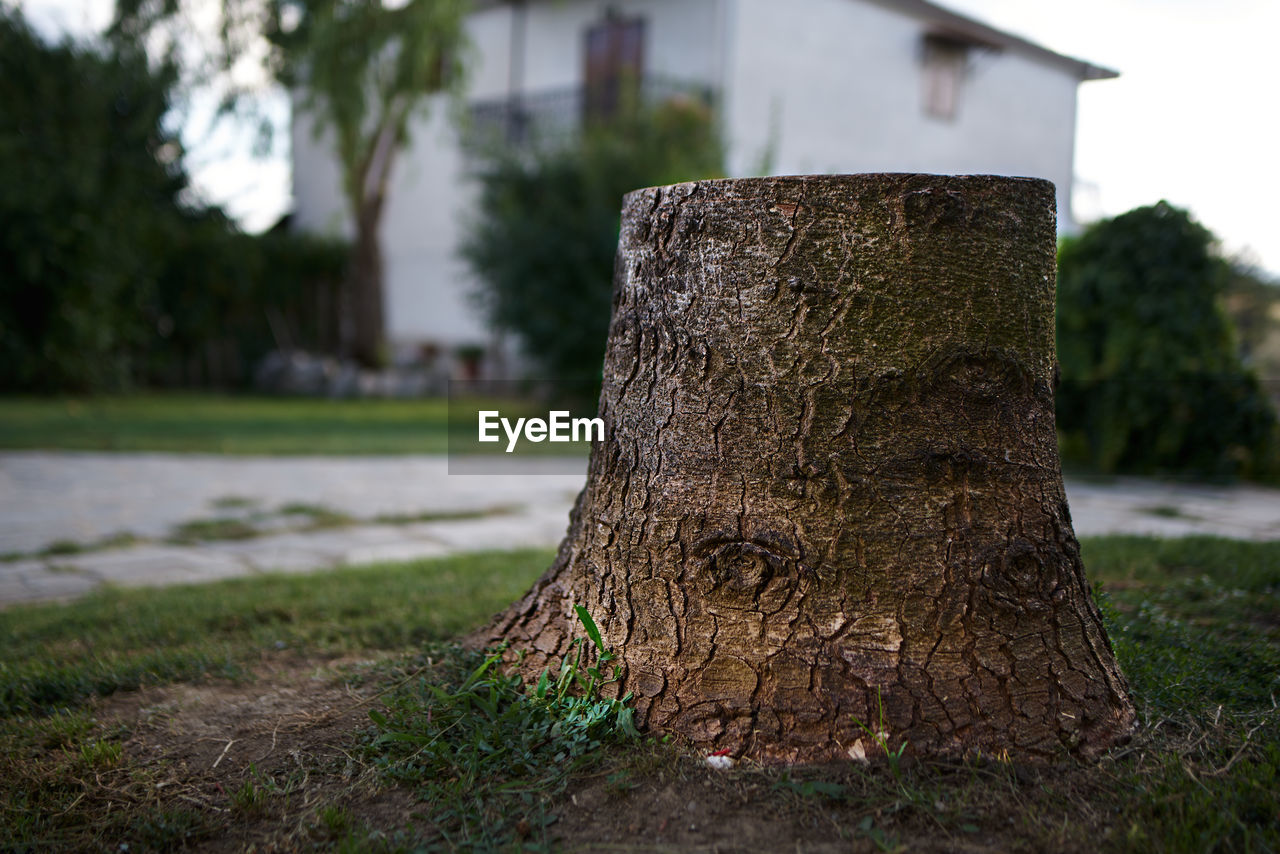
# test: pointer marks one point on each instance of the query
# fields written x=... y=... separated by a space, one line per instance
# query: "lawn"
x=225 y=424
x=330 y=712
x=217 y=424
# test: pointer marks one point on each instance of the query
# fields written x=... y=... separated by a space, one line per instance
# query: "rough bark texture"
x=830 y=482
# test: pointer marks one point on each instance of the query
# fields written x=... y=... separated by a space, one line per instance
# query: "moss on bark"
x=830 y=481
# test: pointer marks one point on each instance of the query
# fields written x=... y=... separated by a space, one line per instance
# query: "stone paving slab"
x=1160 y=508
x=39 y=581
x=50 y=496
x=47 y=497
x=544 y=527
x=149 y=565
x=390 y=552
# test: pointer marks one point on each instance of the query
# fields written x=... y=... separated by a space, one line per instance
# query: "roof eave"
x=990 y=37
x=1089 y=71
x=970 y=28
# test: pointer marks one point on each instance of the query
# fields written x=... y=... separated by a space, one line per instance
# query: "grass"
x=216 y=424
x=443 y=515
x=489 y=757
x=253 y=523
x=242 y=424
x=56 y=656
x=70 y=548
x=209 y=530
x=1167 y=511
x=241 y=520
x=1194 y=623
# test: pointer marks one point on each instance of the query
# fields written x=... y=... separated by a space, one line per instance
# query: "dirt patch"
x=687 y=806
x=697 y=813
x=229 y=725
x=273 y=765
x=270 y=763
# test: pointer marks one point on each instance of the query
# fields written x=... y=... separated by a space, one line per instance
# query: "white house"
x=804 y=85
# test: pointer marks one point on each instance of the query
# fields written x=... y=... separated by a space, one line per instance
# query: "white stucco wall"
x=834 y=85
x=846 y=95
x=318 y=205
x=679 y=39
x=427 y=285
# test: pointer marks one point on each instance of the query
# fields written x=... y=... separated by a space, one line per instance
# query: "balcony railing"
x=557 y=115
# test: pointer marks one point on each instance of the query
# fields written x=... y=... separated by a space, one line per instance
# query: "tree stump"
x=829 y=499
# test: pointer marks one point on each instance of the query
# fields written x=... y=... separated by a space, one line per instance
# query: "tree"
x=543 y=241
x=363 y=70
x=828 y=516
x=1151 y=374
x=90 y=186
x=1250 y=299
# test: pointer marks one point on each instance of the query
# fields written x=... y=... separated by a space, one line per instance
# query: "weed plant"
x=489 y=757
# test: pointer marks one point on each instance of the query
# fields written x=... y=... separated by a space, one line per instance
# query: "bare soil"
x=752 y=810
x=262 y=757
x=290 y=736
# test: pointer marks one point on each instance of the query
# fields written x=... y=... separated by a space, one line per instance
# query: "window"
x=614 y=66
x=945 y=61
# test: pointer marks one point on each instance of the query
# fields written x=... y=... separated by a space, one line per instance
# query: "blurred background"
x=254 y=254
x=370 y=199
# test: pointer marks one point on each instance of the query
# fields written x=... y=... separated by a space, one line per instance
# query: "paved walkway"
x=64 y=499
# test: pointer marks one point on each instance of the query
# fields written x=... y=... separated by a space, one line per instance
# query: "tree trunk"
x=829 y=496
x=367 y=344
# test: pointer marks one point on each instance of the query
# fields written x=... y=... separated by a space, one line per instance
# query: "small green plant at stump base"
x=489 y=755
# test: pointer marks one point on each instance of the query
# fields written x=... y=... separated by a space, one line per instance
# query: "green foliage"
x=90 y=184
x=490 y=757
x=879 y=737
x=100 y=755
x=1151 y=380
x=251 y=798
x=363 y=69
x=109 y=278
x=224 y=299
x=544 y=240
x=1252 y=301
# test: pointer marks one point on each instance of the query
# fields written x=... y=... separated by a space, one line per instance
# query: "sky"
x=221 y=158
x=1194 y=117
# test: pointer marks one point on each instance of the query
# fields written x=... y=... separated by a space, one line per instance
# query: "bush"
x=1253 y=304
x=108 y=278
x=89 y=181
x=1151 y=377
x=225 y=299
x=547 y=229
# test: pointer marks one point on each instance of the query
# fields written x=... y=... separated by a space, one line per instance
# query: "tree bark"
x=367 y=344
x=829 y=497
